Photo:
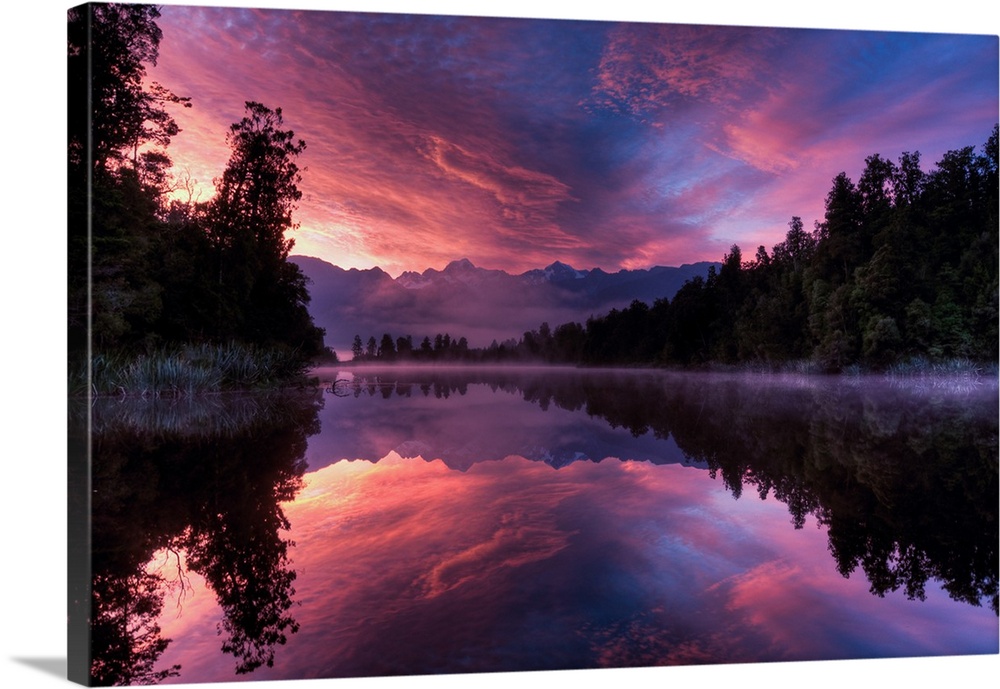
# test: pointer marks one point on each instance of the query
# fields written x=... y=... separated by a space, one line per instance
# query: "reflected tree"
x=904 y=479
x=246 y=564
x=124 y=627
x=208 y=482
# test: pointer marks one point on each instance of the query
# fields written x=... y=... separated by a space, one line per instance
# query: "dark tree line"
x=164 y=272
x=543 y=344
x=902 y=267
x=402 y=349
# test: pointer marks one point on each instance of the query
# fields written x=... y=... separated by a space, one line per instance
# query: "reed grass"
x=186 y=370
x=917 y=367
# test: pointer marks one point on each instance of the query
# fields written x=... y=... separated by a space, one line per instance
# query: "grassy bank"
x=187 y=370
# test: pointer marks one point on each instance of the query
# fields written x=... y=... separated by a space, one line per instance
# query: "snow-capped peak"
x=560 y=271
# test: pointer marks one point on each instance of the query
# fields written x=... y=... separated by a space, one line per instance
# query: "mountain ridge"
x=480 y=304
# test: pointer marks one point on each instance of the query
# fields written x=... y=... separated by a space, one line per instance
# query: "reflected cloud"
x=472 y=569
x=468 y=555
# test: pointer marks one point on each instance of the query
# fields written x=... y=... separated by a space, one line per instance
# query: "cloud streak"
x=518 y=142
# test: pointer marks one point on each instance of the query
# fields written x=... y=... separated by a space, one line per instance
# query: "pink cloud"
x=516 y=143
x=389 y=170
x=647 y=69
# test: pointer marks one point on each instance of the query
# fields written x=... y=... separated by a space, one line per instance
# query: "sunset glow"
x=515 y=143
x=392 y=557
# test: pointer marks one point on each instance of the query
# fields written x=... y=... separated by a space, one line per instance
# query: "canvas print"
x=418 y=345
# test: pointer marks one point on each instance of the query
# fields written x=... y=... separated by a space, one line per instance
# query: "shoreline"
x=903 y=369
x=190 y=377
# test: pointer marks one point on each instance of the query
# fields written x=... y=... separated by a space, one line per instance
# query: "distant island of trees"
x=902 y=269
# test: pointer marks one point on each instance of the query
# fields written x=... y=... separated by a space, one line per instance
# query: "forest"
x=902 y=268
x=181 y=295
x=902 y=271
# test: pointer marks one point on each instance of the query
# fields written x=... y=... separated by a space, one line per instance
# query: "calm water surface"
x=429 y=521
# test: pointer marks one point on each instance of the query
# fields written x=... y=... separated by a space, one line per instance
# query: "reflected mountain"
x=192 y=486
x=902 y=473
x=463 y=417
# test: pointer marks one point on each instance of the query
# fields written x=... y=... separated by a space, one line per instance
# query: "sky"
x=33 y=64
x=518 y=142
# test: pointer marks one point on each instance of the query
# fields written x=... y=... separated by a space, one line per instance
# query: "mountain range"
x=479 y=304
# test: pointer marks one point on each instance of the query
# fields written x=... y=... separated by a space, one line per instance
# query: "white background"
x=32 y=390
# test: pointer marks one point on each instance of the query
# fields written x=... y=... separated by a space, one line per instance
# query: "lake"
x=415 y=521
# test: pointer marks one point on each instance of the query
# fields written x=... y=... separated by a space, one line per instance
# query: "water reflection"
x=199 y=484
x=519 y=519
x=903 y=473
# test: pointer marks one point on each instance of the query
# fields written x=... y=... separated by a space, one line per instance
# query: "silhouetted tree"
x=112 y=110
x=387 y=349
x=112 y=113
x=404 y=347
x=263 y=295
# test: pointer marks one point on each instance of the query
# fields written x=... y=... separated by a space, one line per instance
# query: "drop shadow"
x=50 y=666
